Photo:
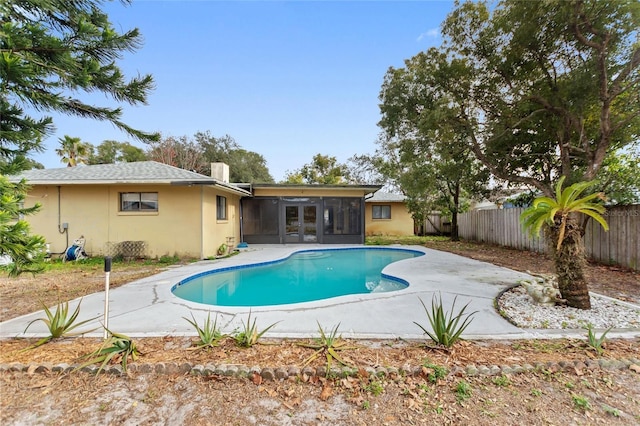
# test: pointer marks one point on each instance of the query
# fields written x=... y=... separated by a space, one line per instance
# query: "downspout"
x=201 y=222
x=62 y=228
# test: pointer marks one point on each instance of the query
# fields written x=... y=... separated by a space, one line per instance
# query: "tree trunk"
x=454 y=214
x=569 y=263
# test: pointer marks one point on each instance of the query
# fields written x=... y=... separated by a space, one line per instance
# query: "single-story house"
x=150 y=209
x=388 y=214
x=139 y=209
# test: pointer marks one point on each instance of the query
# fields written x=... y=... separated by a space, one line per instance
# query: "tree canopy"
x=50 y=53
x=197 y=154
x=110 y=151
x=543 y=89
x=323 y=169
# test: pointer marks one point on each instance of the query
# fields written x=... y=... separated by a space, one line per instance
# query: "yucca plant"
x=329 y=345
x=116 y=346
x=446 y=327
x=249 y=335
x=59 y=323
x=209 y=334
x=596 y=342
x=558 y=217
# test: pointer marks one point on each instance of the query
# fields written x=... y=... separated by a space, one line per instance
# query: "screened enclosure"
x=324 y=220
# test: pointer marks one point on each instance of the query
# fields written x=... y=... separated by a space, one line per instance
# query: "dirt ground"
x=565 y=389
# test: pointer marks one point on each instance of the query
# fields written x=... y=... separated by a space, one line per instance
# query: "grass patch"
x=413 y=240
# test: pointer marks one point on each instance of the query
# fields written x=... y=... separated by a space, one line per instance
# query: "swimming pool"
x=304 y=276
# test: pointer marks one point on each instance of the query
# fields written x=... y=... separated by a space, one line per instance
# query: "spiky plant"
x=329 y=345
x=446 y=326
x=59 y=323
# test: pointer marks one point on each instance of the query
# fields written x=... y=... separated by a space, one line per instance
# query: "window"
x=139 y=201
x=381 y=212
x=221 y=207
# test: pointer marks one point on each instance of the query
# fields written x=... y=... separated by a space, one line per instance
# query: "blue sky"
x=285 y=79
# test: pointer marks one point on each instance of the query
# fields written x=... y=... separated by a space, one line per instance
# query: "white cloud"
x=432 y=33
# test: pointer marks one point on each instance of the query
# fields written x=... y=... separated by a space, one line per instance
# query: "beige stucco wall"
x=185 y=224
x=401 y=222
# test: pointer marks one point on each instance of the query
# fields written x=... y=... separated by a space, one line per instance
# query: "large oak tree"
x=540 y=90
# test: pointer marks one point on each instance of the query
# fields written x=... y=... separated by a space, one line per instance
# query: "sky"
x=285 y=79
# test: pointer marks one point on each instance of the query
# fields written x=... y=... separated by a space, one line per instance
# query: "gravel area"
x=516 y=305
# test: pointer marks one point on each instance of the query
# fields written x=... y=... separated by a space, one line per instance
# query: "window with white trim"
x=138 y=201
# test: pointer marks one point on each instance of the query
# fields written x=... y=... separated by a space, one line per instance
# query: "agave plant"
x=446 y=327
x=559 y=218
x=329 y=345
x=116 y=346
x=249 y=335
x=59 y=323
x=209 y=334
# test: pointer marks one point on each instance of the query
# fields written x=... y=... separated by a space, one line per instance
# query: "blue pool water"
x=302 y=277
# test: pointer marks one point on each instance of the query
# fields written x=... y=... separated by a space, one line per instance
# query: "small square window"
x=381 y=212
x=221 y=207
x=139 y=202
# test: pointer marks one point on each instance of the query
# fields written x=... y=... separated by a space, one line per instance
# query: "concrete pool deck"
x=148 y=308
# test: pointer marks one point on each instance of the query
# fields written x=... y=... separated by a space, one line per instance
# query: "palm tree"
x=72 y=151
x=559 y=218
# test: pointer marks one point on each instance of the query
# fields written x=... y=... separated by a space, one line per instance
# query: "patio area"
x=146 y=307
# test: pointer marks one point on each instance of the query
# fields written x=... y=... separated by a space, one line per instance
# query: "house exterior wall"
x=185 y=223
x=401 y=222
x=217 y=232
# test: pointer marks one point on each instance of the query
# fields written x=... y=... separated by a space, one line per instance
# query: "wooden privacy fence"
x=620 y=246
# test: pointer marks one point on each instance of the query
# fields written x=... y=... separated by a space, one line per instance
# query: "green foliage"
x=501 y=381
x=434 y=372
x=555 y=212
x=374 y=387
x=59 y=323
x=534 y=89
x=209 y=334
x=580 y=402
x=249 y=335
x=329 y=345
x=596 y=342
x=109 y=152
x=116 y=346
x=446 y=327
x=323 y=169
x=26 y=251
x=385 y=240
x=51 y=51
x=198 y=152
x=424 y=150
x=536 y=392
x=463 y=391
x=73 y=151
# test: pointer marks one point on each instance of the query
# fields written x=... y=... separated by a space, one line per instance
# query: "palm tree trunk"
x=569 y=264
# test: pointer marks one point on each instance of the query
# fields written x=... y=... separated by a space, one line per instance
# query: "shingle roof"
x=386 y=197
x=120 y=173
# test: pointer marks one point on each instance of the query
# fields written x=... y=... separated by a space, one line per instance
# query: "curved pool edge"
x=146 y=307
x=294 y=250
